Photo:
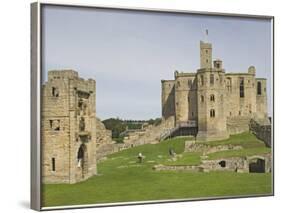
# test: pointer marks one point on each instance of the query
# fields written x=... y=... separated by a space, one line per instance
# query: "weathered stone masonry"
x=68 y=127
x=219 y=103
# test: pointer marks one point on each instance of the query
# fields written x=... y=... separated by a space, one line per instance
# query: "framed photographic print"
x=139 y=105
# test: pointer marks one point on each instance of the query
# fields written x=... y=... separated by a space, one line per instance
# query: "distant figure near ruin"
x=140 y=157
x=172 y=152
x=211 y=103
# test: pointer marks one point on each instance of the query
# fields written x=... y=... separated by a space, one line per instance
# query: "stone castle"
x=68 y=128
x=211 y=102
x=214 y=102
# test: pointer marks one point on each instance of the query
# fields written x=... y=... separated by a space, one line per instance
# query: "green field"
x=121 y=178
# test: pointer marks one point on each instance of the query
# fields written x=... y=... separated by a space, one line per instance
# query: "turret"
x=205 y=55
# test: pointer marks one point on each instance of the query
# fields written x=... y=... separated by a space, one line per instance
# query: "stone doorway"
x=257 y=166
x=82 y=157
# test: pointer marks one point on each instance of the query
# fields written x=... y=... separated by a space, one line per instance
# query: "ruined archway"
x=82 y=158
x=257 y=165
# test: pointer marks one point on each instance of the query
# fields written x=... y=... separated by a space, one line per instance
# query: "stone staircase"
x=168 y=133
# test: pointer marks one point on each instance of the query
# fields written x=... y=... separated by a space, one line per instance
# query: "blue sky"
x=129 y=52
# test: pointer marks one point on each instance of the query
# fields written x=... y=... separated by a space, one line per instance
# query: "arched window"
x=259 y=88
x=189 y=82
x=228 y=84
x=212 y=97
x=202 y=98
x=212 y=79
x=242 y=95
x=55 y=92
x=212 y=113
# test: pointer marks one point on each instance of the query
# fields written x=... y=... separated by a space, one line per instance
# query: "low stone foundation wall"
x=161 y=167
x=192 y=146
x=107 y=149
x=261 y=163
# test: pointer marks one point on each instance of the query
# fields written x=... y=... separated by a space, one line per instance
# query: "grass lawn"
x=121 y=178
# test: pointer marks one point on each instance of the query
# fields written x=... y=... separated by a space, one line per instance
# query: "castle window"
x=82 y=124
x=55 y=125
x=192 y=114
x=212 y=97
x=228 y=84
x=202 y=98
x=202 y=79
x=188 y=99
x=239 y=112
x=189 y=83
x=53 y=164
x=259 y=88
x=229 y=113
x=206 y=51
x=212 y=79
x=212 y=113
x=241 y=87
x=55 y=92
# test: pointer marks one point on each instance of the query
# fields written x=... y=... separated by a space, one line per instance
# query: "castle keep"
x=68 y=128
x=214 y=102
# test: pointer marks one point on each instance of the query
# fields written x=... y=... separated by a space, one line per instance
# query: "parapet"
x=205 y=45
x=184 y=74
x=60 y=74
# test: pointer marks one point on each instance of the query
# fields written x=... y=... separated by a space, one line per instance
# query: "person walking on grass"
x=140 y=157
x=171 y=152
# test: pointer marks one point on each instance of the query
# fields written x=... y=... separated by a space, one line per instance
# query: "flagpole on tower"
x=206 y=35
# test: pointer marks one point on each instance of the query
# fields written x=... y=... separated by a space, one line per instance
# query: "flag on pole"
x=207 y=32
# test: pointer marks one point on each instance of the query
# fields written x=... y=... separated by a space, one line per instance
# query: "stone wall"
x=234 y=164
x=192 y=146
x=168 y=98
x=68 y=128
x=238 y=124
x=104 y=136
x=107 y=149
x=148 y=135
x=262 y=131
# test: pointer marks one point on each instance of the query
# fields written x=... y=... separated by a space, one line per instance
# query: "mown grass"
x=188 y=158
x=121 y=178
x=239 y=153
x=246 y=140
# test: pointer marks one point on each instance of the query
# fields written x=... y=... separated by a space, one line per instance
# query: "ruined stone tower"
x=210 y=93
x=215 y=102
x=68 y=128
